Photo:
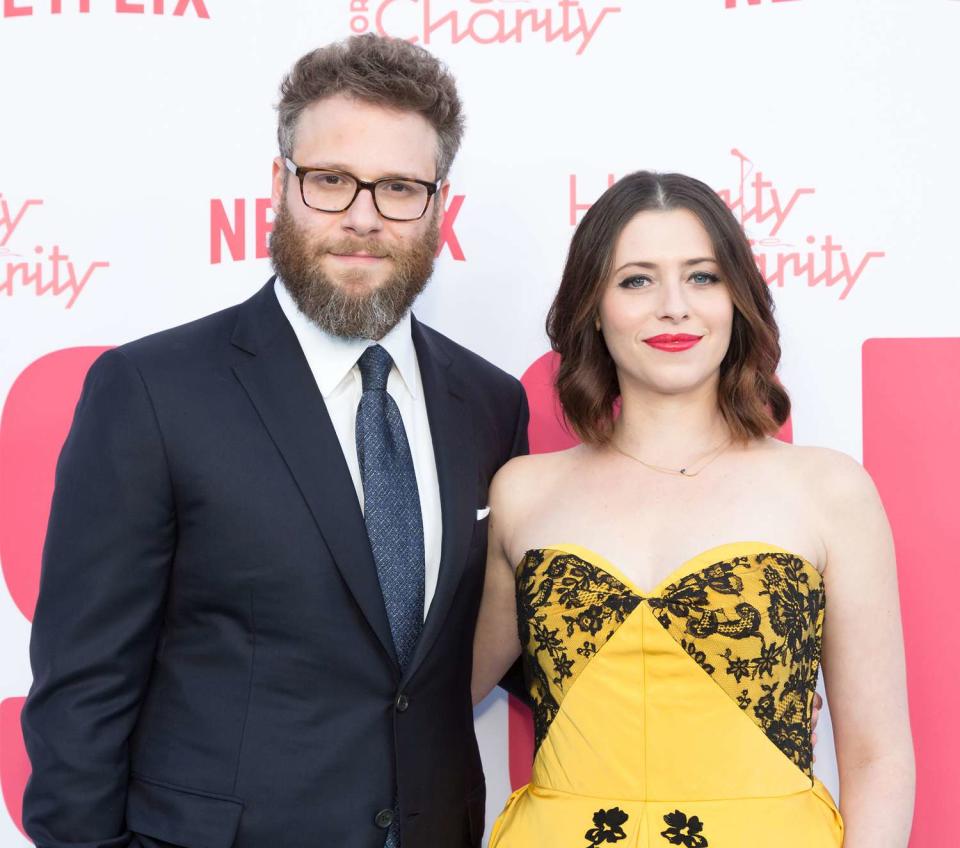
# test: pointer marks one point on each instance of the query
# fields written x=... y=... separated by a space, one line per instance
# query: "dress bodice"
x=696 y=692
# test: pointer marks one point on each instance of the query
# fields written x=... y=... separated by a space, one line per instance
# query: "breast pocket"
x=481 y=527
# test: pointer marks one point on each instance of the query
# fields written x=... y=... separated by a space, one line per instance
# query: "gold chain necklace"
x=682 y=472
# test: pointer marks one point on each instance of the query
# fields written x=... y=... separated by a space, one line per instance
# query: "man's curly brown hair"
x=387 y=72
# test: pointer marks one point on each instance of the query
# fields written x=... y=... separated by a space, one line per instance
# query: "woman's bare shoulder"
x=815 y=462
x=827 y=468
x=837 y=484
x=523 y=475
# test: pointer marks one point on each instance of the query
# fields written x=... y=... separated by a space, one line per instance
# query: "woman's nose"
x=673 y=302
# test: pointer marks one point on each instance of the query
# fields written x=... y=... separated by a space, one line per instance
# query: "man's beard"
x=366 y=313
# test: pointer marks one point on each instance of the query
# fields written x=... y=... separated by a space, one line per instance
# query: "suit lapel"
x=282 y=388
x=455 y=452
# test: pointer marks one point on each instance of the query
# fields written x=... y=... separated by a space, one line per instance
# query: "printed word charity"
x=45 y=273
x=482 y=22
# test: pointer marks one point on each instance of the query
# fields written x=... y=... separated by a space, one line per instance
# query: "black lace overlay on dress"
x=566 y=612
x=765 y=658
x=759 y=642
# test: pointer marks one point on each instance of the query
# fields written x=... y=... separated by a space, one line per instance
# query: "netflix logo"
x=240 y=229
x=173 y=8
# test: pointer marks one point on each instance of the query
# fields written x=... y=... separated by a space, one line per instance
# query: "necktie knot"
x=375 y=365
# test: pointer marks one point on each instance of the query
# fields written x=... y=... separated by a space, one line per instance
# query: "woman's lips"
x=673 y=343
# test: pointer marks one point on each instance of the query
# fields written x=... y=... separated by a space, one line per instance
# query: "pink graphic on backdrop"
x=733 y=4
x=37 y=271
x=481 y=21
x=178 y=8
x=12 y=215
x=14 y=765
x=547 y=432
x=229 y=229
x=33 y=426
x=763 y=208
x=234 y=232
x=911 y=427
x=35 y=420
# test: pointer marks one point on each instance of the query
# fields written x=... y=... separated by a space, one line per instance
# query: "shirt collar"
x=331 y=358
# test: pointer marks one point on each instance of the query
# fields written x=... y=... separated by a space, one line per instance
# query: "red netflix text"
x=238 y=226
x=176 y=8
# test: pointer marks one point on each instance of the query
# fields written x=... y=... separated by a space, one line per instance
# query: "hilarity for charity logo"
x=41 y=271
x=572 y=22
x=763 y=208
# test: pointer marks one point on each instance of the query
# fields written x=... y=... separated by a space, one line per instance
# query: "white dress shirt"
x=333 y=361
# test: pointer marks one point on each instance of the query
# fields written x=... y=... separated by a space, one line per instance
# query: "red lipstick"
x=673 y=343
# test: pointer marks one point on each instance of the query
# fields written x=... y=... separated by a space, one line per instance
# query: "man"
x=267 y=542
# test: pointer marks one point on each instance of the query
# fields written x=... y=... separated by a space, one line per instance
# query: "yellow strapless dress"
x=678 y=715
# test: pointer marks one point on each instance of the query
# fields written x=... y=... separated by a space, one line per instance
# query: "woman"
x=668 y=577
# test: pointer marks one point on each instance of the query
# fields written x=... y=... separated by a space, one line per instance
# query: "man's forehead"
x=367 y=139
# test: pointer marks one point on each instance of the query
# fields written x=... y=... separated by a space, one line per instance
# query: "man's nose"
x=362 y=217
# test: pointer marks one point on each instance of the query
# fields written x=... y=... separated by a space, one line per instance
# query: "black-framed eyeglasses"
x=395 y=198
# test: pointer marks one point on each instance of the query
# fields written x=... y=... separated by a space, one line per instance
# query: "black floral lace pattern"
x=769 y=653
x=567 y=609
x=759 y=642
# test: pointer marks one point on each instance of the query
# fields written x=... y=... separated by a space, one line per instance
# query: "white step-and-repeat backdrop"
x=135 y=160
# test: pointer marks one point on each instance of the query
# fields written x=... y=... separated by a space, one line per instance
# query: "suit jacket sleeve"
x=521 y=441
x=513 y=680
x=106 y=562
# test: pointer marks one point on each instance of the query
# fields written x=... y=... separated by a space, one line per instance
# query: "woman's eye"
x=702 y=278
x=637 y=282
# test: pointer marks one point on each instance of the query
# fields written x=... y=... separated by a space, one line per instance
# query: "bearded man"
x=266 y=548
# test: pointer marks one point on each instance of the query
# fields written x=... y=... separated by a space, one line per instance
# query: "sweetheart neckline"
x=677 y=573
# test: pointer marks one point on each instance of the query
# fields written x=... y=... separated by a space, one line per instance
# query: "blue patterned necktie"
x=391 y=503
x=391 y=508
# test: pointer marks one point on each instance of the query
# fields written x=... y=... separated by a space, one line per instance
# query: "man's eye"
x=331 y=179
x=398 y=188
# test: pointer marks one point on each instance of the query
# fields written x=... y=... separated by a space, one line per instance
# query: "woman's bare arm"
x=863 y=660
x=496 y=644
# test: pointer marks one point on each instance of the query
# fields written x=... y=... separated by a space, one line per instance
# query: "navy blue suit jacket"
x=212 y=660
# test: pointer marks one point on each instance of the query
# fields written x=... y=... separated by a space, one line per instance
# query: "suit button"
x=384 y=819
x=402 y=703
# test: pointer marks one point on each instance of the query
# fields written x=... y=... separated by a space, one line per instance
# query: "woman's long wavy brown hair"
x=751 y=400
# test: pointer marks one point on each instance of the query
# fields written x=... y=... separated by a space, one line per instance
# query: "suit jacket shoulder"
x=186 y=342
x=490 y=377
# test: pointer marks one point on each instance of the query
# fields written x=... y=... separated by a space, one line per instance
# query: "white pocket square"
x=483 y=513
